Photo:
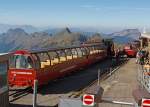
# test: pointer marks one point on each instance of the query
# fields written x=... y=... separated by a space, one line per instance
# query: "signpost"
x=88 y=100
x=145 y=103
x=35 y=93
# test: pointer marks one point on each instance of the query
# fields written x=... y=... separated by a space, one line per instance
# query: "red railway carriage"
x=130 y=51
x=132 y=48
x=49 y=64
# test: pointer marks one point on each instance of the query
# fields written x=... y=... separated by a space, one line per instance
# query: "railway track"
x=105 y=73
x=18 y=93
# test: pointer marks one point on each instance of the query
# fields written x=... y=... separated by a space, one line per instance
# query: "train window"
x=74 y=53
x=54 y=57
x=91 y=50
x=80 y=54
x=68 y=53
x=97 y=49
x=62 y=55
x=36 y=60
x=44 y=59
x=87 y=50
x=84 y=52
x=21 y=62
x=43 y=56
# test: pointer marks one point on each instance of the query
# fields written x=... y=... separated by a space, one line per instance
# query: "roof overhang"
x=145 y=35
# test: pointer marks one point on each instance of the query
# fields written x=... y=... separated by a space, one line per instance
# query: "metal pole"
x=110 y=71
x=35 y=93
x=99 y=76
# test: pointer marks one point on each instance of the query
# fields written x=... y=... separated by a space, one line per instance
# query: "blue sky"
x=88 y=13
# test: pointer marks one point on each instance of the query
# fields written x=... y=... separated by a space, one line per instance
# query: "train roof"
x=33 y=51
x=62 y=48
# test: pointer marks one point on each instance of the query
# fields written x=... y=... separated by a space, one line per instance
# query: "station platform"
x=120 y=85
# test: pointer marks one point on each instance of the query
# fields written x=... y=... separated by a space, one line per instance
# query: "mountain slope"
x=18 y=39
x=27 y=28
x=125 y=36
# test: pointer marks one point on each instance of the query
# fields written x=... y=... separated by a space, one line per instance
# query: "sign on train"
x=88 y=100
x=145 y=103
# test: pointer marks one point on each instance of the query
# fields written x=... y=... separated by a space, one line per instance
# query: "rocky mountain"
x=18 y=39
x=133 y=33
x=125 y=36
x=27 y=28
x=52 y=31
x=67 y=38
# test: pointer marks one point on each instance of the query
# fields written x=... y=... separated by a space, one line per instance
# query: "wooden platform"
x=119 y=86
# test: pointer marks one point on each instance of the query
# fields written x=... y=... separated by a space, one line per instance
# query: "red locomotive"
x=131 y=49
x=50 y=64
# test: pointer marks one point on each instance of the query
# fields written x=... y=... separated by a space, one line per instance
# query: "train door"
x=22 y=70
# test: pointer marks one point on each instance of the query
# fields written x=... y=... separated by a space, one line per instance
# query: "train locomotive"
x=132 y=48
x=49 y=64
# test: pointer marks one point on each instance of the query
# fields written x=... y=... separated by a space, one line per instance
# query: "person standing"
x=147 y=56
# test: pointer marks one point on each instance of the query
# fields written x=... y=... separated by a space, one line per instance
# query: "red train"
x=129 y=51
x=50 y=64
x=132 y=48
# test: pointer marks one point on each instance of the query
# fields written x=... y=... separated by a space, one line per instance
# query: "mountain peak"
x=16 y=31
x=66 y=30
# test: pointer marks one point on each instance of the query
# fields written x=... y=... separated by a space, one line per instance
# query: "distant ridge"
x=125 y=36
x=18 y=38
x=27 y=28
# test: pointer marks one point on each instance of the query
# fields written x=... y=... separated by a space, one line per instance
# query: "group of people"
x=142 y=57
x=117 y=54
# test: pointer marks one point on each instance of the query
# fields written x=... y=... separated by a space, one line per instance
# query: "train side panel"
x=21 y=77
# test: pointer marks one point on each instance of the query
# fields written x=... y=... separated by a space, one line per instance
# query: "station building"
x=4 y=96
x=145 y=40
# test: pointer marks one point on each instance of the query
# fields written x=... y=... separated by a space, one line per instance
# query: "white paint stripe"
x=28 y=73
x=88 y=100
x=146 y=104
